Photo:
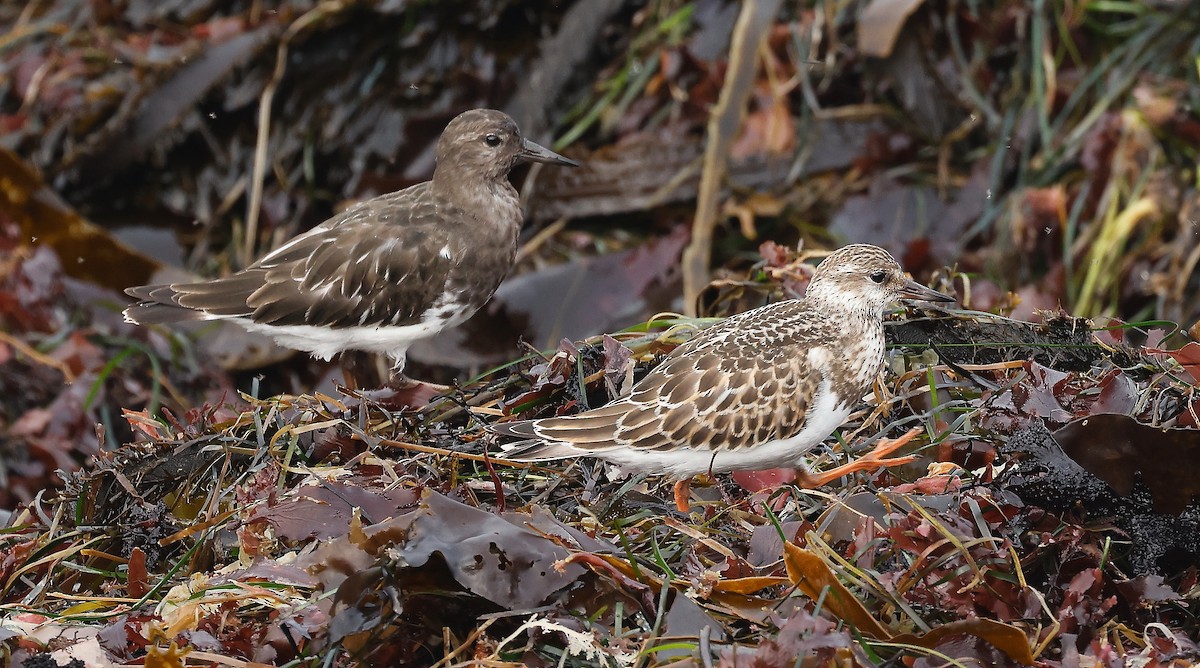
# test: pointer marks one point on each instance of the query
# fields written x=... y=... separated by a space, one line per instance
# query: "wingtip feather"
x=534 y=450
x=150 y=313
x=518 y=429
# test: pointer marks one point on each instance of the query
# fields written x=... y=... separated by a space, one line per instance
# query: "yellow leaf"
x=1004 y=637
x=812 y=575
x=89 y=606
x=748 y=585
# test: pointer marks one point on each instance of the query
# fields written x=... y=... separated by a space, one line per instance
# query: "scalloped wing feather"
x=745 y=381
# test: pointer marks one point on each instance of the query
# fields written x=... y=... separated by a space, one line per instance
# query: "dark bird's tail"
x=157 y=305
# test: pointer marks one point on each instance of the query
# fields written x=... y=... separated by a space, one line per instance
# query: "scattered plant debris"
x=1036 y=162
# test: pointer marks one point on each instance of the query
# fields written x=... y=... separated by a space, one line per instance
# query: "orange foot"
x=875 y=459
x=683 y=490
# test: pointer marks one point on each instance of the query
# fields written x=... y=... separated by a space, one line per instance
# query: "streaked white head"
x=865 y=279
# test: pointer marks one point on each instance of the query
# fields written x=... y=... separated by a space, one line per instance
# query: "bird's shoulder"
x=781 y=329
x=409 y=216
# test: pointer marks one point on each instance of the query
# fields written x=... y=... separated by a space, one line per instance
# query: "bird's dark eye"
x=492 y=140
x=879 y=276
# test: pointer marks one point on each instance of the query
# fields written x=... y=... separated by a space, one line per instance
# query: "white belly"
x=325 y=342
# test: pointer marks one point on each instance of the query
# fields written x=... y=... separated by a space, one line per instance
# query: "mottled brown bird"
x=756 y=391
x=386 y=272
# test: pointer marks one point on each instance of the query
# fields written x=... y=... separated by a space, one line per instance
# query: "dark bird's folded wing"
x=349 y=272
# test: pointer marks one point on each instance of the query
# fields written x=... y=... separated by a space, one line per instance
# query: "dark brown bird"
x=388 y=271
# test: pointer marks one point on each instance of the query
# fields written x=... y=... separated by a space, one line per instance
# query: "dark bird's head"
x=487 y=143
x=862 y=277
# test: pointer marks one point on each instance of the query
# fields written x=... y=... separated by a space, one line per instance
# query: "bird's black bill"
x=914 y=290
x=538 y=153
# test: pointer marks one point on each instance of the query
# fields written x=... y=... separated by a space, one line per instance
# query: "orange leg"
x=875 y=459
x=683 y=491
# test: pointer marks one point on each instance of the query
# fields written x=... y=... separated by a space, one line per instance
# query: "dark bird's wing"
x=742 y=382
x=383 y=262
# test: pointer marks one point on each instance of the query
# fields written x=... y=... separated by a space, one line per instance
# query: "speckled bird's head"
x=865 y=278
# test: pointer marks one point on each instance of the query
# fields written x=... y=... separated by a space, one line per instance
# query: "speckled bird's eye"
x=879 y=276
x=492 y=140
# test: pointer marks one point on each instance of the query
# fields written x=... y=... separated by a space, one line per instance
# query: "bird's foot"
x=873 y=460
x=683 y=492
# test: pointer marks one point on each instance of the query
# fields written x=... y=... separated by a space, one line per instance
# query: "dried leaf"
x=813 y=576
x=880 y=23
x=1146 y=590
x=1188 y=357
x=137 y=576
x=802 y=640
x=324 y=510
x=141 y=421
x=748 y=585
x=1004 y=637
x=88 y=251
